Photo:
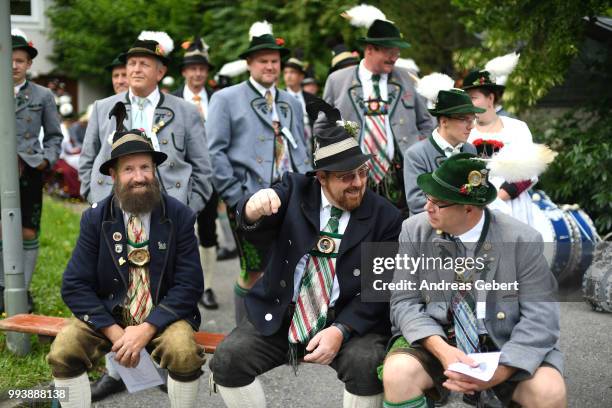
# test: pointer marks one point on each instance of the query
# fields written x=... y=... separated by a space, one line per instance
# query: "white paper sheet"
x=487 y=365
x=141 y=377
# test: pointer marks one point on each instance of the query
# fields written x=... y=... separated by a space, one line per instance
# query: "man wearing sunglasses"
x=308 y=303
x=382 y=99
x=456 y=114
x=435 y=328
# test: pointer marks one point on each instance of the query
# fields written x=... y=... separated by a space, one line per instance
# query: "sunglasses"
x=347 y=178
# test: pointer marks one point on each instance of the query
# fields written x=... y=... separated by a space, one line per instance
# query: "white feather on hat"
x=363 y=15
x=430 y=85
x=407 y=63
x=501 y=67
x=234 y=68
x=260 y=28
x=18 y=33
x=520 y=161
x=163 y=39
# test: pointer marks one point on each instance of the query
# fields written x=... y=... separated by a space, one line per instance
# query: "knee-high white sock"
x=359 y=401
x=182 y=394
x=79 y=391
x=112 y=372
x=208 y=258
x=249 y=396
x=30 y=255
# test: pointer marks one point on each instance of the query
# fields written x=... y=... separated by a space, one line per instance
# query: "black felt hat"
x=21 y=43
x=342 y=57
x=126 y=142
x=196 y=52
x=336 y=148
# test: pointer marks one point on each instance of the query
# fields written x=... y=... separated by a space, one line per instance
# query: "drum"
x=569 y=236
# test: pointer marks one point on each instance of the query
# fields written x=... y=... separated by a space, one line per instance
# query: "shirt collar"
x=473 y=235
x=188 y=94
x=262 y=89
x=444 y=145
x=297 y=94
x=18 y=87
x=153 y=97
x=366 y=75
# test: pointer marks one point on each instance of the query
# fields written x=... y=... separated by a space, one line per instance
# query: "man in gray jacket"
x=255 y=135
x=34 y=110
x=173 y=125
x=437 y=326
x=456 y=115
x=382 y=99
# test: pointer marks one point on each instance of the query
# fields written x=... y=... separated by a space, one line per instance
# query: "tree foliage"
x=547 y=34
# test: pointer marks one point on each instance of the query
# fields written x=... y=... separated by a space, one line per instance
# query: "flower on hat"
x=465 y=189
x=30 y=43
x=481 y=80
x=185 y=44
x=280 y=41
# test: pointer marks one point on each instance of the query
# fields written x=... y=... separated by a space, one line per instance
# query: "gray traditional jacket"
x=241 y=139
x=35 y=108
x=185 y=175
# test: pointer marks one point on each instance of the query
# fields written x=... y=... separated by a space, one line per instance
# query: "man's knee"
x=545 y=389
x=176 y=350
x=28 y=233
x=401 y=371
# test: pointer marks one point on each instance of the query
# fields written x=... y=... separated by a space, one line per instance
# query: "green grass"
x=59 y=232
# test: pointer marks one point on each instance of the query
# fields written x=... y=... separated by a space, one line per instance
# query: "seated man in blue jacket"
x=133 y=281
x=308 y=302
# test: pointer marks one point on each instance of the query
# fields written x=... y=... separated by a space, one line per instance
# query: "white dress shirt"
x=324 y=216
x=188 y=96
x=18 y=87
x=262 y=90
x=149 y=109
x=448 y=148
x=365 y=77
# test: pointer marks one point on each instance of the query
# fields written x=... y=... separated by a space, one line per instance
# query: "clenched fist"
x=263 y=203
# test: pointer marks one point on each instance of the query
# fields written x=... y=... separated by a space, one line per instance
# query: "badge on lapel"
x=121 y=261
x=117 y=236
x=118 y=248
x=161 y=245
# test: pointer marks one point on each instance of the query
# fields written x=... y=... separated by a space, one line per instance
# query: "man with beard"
x=255 y=136
x=456 y=115
x=308 y=303
x=382 y=99
x=133 y=281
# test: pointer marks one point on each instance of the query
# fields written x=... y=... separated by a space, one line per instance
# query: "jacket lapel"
x=311 y=206
x=442 y=249
x=160 y=240
x=163 y=115
x=394 y=94
x=259 y=105
x=355 y=94
x=23 y=97
x=116 y=240
x=358 y=226
x=285 y=115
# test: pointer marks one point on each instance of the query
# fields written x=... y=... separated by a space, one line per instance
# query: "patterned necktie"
x=316 y=286
x=139 y=291
x=375 y=135
x=197 y=100
x=269 y=101
x=464 y=319
x=139 y=118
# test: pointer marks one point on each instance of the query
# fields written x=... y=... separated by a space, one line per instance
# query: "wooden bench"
x=50 y=326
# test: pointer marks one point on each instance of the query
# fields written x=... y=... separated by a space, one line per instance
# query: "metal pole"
x=14 y=292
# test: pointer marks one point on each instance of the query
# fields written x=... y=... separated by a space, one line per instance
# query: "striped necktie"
x=375 y=135
x=312 y=304
x=139 y=290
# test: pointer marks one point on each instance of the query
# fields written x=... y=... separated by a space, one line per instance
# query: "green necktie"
x=375 y=79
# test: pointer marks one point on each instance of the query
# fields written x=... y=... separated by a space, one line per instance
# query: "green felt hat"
x=454 y=102
x=460 y=179
x=385 y=34
x=20 y=43
x=265 y=42
x=480 y=79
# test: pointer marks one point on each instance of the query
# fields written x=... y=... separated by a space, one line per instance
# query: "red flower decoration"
x=464 y=190
x=482 y=80
x=477 y=142
x=280 y=42
x=30 y=43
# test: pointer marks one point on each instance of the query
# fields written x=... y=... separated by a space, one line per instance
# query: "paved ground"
x=586 y=338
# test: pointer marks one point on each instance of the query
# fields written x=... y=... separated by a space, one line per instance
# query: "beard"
x=135 y=200
x=347 y=200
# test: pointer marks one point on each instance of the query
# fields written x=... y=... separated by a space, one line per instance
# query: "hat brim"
x=427 y=183
x=295 y=66
x=158 y=158
x=284 y=52
x=32 y=52
x=146 y=53
x=385 y=42
x=349 y=62
x=457 y=110
x=491 y=86
x=196 y=60
x=348 y=164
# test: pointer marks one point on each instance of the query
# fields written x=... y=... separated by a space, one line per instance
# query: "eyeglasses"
x=438 y=205
x=348 y=178
x=466 y=120
x=389 y=51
